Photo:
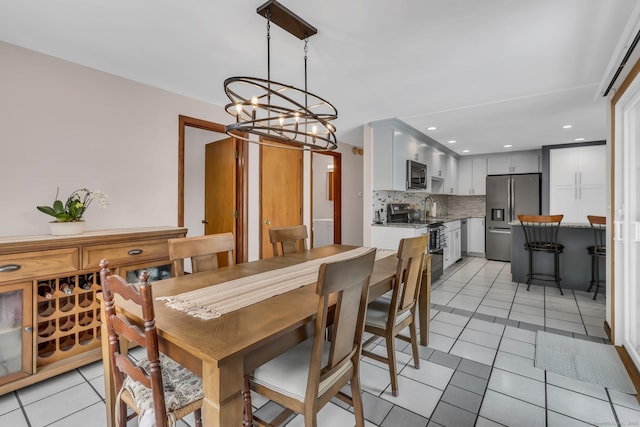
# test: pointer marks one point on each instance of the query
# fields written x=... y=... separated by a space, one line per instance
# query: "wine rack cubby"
x=68 y=316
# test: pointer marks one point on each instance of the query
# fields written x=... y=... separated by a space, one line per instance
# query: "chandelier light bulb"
x=281 y=120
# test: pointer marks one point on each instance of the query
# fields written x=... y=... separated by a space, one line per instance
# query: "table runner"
x=215 y=300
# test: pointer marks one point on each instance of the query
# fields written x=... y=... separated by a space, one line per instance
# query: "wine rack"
x=68 y=317
x=57 y=312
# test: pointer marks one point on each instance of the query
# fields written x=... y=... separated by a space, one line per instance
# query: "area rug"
x=583 y=360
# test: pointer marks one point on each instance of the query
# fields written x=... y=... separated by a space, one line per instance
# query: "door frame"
x=337 y=194
x=242 y=186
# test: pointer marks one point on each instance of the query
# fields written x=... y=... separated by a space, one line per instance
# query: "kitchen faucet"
x=428 y=203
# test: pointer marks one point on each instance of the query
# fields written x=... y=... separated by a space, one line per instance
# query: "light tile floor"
x=477 y=370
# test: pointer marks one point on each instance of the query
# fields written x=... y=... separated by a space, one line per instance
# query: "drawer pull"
x=135 y=252
x=9 y=268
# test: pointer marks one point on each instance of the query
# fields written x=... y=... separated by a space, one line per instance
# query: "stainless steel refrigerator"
x=507 y=197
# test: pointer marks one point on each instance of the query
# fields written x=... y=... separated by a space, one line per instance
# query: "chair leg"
x=414 y=344
x=197 y=414
x=593 y=273
x=391 y=357
x=597 y=277
x=356 y=397
x=557 y=270
x=247 y=421
x=530 y=275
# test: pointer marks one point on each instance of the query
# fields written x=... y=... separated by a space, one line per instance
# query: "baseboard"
x=631 y=368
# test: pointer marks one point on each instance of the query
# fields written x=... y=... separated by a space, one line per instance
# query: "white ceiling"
x=486 y=73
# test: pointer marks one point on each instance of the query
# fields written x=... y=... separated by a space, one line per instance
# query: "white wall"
x=352 y=182
x=71 y=126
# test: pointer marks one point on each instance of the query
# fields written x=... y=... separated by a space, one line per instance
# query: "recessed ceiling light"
x=432 y=128
x=508 y=146
x=567 y=126
x=465 y=151
x=453 y=141
x=579 y=139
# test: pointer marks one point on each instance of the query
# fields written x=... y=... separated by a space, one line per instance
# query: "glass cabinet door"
x=16 y=337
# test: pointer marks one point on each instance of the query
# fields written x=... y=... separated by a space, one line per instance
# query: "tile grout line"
x=24 y=411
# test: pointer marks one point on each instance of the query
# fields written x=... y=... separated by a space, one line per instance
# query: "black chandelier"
x=277 y=112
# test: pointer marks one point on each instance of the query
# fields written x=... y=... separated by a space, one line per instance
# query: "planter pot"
x=66 y=228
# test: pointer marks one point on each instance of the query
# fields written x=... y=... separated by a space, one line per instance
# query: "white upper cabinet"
x=577 y=182
x=523 y=162
x=451 y=176
x=394 y=143
x=403 y=150
x=382 y=153
x=472 y=176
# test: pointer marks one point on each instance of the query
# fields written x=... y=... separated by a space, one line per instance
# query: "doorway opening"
x=326 y=198
x=193 y=136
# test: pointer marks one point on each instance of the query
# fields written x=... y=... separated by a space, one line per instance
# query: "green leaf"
x=47 y=210
x=58 y=207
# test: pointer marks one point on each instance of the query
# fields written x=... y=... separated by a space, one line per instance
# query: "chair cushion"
x=378 y=312
x=288 y=373
x=181 y=387
x=544 y=246
x=597 y=250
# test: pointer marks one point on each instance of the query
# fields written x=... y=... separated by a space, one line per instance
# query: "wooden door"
x=220 y=189
x=280 y=191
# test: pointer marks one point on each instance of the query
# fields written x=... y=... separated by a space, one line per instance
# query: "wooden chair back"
x=599 y=225
x=349 y=281
x=541 y=232
x=203 y=252
x=411 y=254
x=289 y=239
x=118 y=326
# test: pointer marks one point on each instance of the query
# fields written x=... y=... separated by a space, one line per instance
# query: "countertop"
x=443 y=219
x=562 y=224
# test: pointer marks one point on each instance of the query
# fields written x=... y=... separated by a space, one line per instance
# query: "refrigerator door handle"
x=499 y=230
x=509 y=213
x=513 y=199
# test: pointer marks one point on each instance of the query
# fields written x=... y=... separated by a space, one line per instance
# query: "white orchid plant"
x=75 y=206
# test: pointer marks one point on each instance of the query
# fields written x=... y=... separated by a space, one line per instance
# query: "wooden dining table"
x=222 y=350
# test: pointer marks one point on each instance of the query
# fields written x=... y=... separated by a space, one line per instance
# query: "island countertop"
x=562 y=224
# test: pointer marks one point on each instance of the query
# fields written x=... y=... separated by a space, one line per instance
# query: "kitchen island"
x=575 y=262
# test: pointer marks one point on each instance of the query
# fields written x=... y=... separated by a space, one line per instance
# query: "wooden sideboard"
x=49 y=315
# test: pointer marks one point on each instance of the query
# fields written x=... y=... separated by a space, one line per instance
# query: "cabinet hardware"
x=135 y=252
x=9 y=268
x=28 y=329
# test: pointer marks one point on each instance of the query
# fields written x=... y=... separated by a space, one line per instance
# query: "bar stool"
x=597 y=251
x=541 y=235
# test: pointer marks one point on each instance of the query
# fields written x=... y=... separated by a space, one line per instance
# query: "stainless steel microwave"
x=416 y=175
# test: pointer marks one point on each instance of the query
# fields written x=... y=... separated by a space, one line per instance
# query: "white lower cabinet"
x=388 y=237
x=453 y=249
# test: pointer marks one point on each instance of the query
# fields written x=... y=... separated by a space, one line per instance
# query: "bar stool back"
x=597 y=251
x=541 y=235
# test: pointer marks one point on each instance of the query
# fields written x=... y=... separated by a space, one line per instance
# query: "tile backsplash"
x=473 y=206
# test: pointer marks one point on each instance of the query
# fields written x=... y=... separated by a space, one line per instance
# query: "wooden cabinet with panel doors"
x=49 y=313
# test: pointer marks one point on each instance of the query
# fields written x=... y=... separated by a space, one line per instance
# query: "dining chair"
x=304 y=378
x=156 y=388
x=598 y=250
x=202 y=250
x=289 y=239
x=388 y=317
x=541 y=236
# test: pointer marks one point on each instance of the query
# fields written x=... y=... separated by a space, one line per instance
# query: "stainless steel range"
x=401 y=213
